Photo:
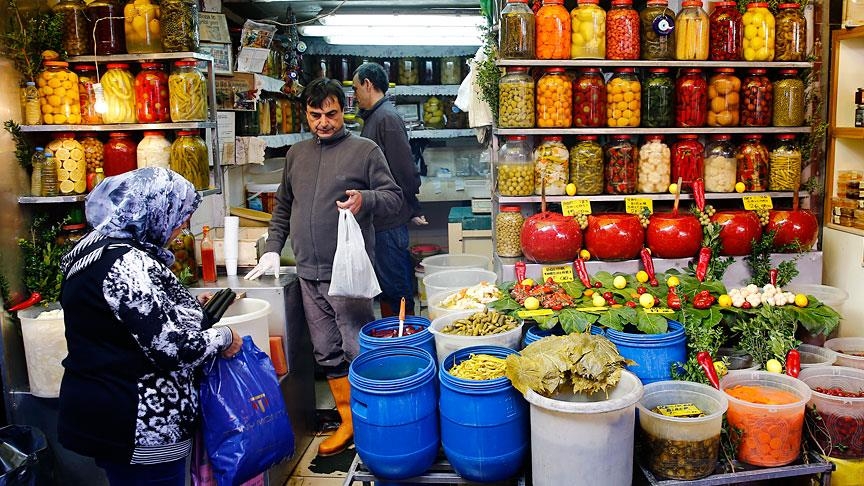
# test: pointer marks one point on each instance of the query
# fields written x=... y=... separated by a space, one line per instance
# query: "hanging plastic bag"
x=353 y=275
x=245 y=424
x=202 y=470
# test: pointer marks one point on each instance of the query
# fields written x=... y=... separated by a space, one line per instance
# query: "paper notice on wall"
x=252 y=59
x=225 y=121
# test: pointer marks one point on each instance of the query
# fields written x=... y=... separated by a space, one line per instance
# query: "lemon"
x=773 y=366
x=641 y=276
x=81 y=186
x=801 y=300
x=584 y=254
x=724 y=300
x=647 y=301
x=672 y=281
x=740 y=187
x=619 y=282
x=66 y=187
x=673 y=188
x=570 y=189
x=598 y=301
x=720 y=368
x=528 y=282
x=531 y=303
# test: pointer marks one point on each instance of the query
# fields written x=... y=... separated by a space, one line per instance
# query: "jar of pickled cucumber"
x=687 y=161
x=657 y=24
x=757 y=99
x=187 y=93
x=93 y=152
x=726 y=29
x=409 y=71
x=515 y=168
x=720 y=164
x=451 y=70
x=516 y=31
x=588 y=27
x=552 y=28
x=621 y=159
x=586 y=166
x=119 y=88
x=691 y=32
x=788 y=99
x=77 y=36
x=784 y=172
x=551 y=166
x=151 y=94
x=758 y=38
x=106 y=20
x=154 y=150
x=654 y=165
x=87 y=94
x=554 y=104
x=658 y=93
x=516 y=99
x=623 y=99
x=142 y=27
x=120 y=154
x=752 y=157
x=691 y=98
x=508 y=229
x=589 y=99
x=189 y=159
x=622 y=31
x=724 y=97
x=790 y=36
x=58 y=94
x=178 y=23
x=71 y=166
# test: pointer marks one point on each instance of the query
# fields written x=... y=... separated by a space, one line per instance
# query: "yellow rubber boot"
x=340 y=439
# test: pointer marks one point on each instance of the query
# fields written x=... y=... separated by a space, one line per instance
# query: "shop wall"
x=843 y=267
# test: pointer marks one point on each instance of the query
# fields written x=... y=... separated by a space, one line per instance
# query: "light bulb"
x=100 y=106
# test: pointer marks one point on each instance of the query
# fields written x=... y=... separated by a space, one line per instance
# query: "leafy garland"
x=41 y=253
x=27 y=36
x=23 y=151
x=759 y=261
x=488 y=73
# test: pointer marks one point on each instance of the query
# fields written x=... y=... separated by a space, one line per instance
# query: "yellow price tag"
x=680 y=410
x=755 y=203
x=558 y=273
x=572 y=207
x=659 y=310
x=592 y=309
x=636 y=205
x=527 y=314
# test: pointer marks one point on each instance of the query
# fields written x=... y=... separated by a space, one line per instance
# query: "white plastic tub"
x=850 y=351
x=812 y=356
x=249 y=318
x=460 y=278
x=830 y=296
x=44 y=349
x=439 y=263
x=445 y=344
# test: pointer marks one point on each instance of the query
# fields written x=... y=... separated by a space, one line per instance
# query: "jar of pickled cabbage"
x=77 y=35
x=106 y=20
x=142 y=27
x=120 y=154
x=654 y=166
x=189 y=159
x=409 y=71
x=691 y=98
x=687 y=161
x=790 y=37
x=151 y=94
x=516 y=99
x=508 y=228
x=551 y=166
x=788 y=99
x=586 y=166
x=552 y=29
x=154 y=150
x=87 y=94
x=588 y=26
x=726 y=32
x=187 y=93
x=451 y=70
x=119 y=88
x=554 y=104
x=753 y=159
x=757 y=99
x=93 y=152
x=784 y=172
x=71 y=166
x=58 y=94
x=758 y=39
x=589 y=99
x=623 y=99
x=724 y=95
x=622 y=31
x=658 y=92
x=515 y=168
x=178 y=23
x=621 y=158
x=516 y=31
x=720 y=164
x=691 y=32
x=657 y=24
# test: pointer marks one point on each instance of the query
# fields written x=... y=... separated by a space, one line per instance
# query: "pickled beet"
x=391 y=333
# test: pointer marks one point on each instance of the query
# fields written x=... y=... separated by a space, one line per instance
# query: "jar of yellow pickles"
x=187 y=93
x=189 y=159
x=758 y=43
x=588 y=30
x=143 y=34
x=623 y=99
x=71 y=164
x=58 y=94
x=119 y=88
x=691 y=32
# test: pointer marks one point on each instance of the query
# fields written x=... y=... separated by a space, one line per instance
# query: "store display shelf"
x=158 y=56
x=424 y=90
x=282 y=139
x=118 y=127
x=650 y=131
x=856 y=133
x=654 y=197
x=442 y=133
x=50 y=199
x=648 y=63
x=845 y=229
x=816 y=465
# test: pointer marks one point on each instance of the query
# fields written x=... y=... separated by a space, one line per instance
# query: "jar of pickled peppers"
x=790 y=36
x=554 y=99
x=151 y=94
x=784 y=172
x=551 y=166
x=758 y=36
x=623 y=99
x=726 y=30
x=658 y=94
x=720 y=164
x=691 y=98
x=757 y=99
x=621 y=163
x=516 y=38
x=622 y=31
x=654 y=166
x=586 y=166
x=589 y=99
x=189 y=158
x=516 y=99
x=119 y=88
x=588 y=26
x=687 y=161
x=87 y=94
x=552 y=30
x=657 y=24
x=788 y=99
x=120 y=154
x=752 y=168
x=187 y=93
x=691 y=32
x=724 y=97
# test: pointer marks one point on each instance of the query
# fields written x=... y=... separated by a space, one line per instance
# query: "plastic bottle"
x=208 y=258
x=32 y=107
x=49 y=176
x=38 y=163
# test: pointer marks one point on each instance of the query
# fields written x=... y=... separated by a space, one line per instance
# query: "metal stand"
x=441 y=472
x=817 y=465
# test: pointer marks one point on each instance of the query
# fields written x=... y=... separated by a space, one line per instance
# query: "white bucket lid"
x=262 y=187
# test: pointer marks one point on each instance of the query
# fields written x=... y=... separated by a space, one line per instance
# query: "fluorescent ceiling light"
x=413 y=20
x=403 y=41
x=369 y=33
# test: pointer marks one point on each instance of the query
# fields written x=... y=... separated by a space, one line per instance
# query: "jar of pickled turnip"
x=516 y=38
x=687 y=161
x=121 y=154
x=189 y=158
x=654 y=166
x=720 y=164
x=790 y=36
x=691 y=32
x=154 y=150
x=151 y=94
x=757 y=99
x=724 y=97
x=119 y=88
x=58 y=94
x=758 y=39
x=622 y=31
x=77 y=34
x=554 y=99
x=187 y=93
x=588 y=26
x=784 y=172
x=788 y=99
x=515 y=167
x=586 y=166
x=658 y=93
x=752 y=157
x=552 y=29
x=551 y=166
x=142 y=27
x=691 y=98
x=621 y=159
x=87 y=94
x=657 y=24
x=516 y=99
x=106 y=20
x=623 y=99
x=589 y=99
x=726 y=31
x=178 y=23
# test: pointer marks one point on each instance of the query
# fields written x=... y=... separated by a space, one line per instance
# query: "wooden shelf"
x=856 y=133
x=119 y=127
x=655 y=197
x=652 y=63
x=845 y=229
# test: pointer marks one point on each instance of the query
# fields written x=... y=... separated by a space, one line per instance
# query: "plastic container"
x=535 y=333
x=44 y=349
x=422 y=339
x=681 y=447
x=591 y=434
x=261 y=197
x=484 y=423
x=248 y=317
x=654 y=354
x=816 y=356
x=737 y=361
x=828 y=295
x=446 y=344
x=456 y=279
x=419 y=274
x=446 y=261
x=842 y=417
x=850 y=351
x=394 y=406
x=437 y=310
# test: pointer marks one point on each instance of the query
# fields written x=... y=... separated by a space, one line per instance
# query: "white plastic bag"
x=353 y=275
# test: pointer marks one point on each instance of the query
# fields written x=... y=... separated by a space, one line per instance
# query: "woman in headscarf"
x=135 y=334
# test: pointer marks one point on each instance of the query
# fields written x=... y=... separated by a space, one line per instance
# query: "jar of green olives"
x=516 y=99
x=508 y=227
x=515 y=168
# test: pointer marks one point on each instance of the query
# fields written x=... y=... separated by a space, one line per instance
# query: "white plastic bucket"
x=447 y=261
x=44 y=349
x=449 y=280
x=249 y=318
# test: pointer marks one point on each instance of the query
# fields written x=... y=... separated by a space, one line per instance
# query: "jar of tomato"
x=724 y=95
x=788 y=99
x=790 y=41
x=516 y=99
x=106 y=20
x=554 y=99
x=720 y=164
x=658 y=99
x=623 y=99
x=586 y=166
x=691 y=98
x=726 y=30
x=58 y=94
x=151 y=94
x=657 y=24
x=654 y=165
x=588 y=26
x=187 y=93
x=589 y=99
x=752 y=158
x=119 y=87
x=621 y=165
x=87 y=94
x=758 y=39
x=757 y=99
x=687 y=161
x=121 y=154
x=622 y=31
x=691 y=32
x=784 y=174
x=552 y=27
x=515 y=167
x=516 y=37
x=551 y=166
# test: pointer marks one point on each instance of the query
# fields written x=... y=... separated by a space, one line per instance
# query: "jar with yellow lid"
x=692 y=32
x=58 y=94
x=189 y=159
x=71 y=165
x=77 y=36
x=143 y=34
x=588 y=27
x=187 y=93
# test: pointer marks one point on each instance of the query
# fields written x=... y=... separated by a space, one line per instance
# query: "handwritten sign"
x=572 y=207
x=558 y=273
x=659 y=310
x=636 y=205
x=755 y=203
x=212 y=27
x=527 y=314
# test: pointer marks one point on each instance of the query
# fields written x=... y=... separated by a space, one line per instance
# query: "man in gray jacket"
x=318 y=174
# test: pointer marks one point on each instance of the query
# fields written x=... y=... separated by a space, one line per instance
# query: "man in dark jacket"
x=384 y=126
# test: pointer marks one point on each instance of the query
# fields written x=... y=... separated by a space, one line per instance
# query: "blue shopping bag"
x=245 y=423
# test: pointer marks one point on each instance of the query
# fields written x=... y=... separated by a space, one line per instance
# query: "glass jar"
x=142 y=27
x=32 y=113
x=551 y=166
x=726 y=29
x=185 y=267
x=788 y=99
x=757 y=99
x=516 y=32
x=119 y=88
x=589 y=99
x=120 y=154
x=720 y=164
x=71 y=166
x=71 y=233
x=515 y=170
x=95 y=178
x=154 y=150
x=784 y=173
x=790 y=41
x=508 y=230
x=622 y=31
x=87 y=94
x=93 y=151
x=724 y=97
x=77 y=35
x=623 y=99
x=58 y=94
x=450 y=70
x=554 y=106
x=340 y=68
x=622 y=161
x=654 y=166
x=49 y=176
x=151 y=94
x=106 y=22
x=691 y=98
x=247 y=124
x=752 y=167
x=178 y=23
x=691 y=32
x=409 y=71
x=552 y=28
x=37 y=165
x=586 y=166
x=687 y=161
x=658 y=105
x=428 y=70
x=758 y=40
x=657 y=23
x=189 y=159
x=516 y=99
x=187 y=93
x=263 y=110
x=588 y=27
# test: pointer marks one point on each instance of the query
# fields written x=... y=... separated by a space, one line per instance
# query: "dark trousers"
x=162 y=474
x=394 y=268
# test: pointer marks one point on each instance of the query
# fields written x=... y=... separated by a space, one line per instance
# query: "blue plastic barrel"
x=654 y=354
x=394 y=398
x=484 y=424
x=535 y=333
x=423 y=339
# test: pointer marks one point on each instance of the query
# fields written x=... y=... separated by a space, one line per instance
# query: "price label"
x=558 y=274
x=755 y=203
x=680 y=410
x=659 y=310
x=526 y=314
x=637 y=205
x=572 y=207
x=592 y=309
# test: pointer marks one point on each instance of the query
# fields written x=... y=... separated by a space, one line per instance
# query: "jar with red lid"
x=623 y=99
x=784 y=173
x=551 y=166
x=516 y=35
x=187 y=93
x=657 y=26
x=790 y=36
x=516 y=99
x=757 y=99
x=588 y=27
x=720 y=164
x=724 y=97
x=118 y=84
x=726 y=31
x=658 y=99
x=87 y=94
x=753 y=158
x=621 y=160
x=589 y=99
x=586 y=166
x=554 y=99
x=687 y=161
x=154 y=150
x=691 y=98
x=58 y=94
x=691 y=32
x=71 y=165
x=151 y=94
x=178 y=23
x=121 y=154
x=552 y=30
x=94 y=151
x=757 y=43
x=654 y=165
x=622 y=31
x=788 y=108
x=106 y=22
x=508 y=226
x=71 y=233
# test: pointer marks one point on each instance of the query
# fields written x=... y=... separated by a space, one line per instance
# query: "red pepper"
x=707 y=363
x=582 y=272
x=34 y=298
x=648 y=263
x=699 y=193
x=672 y=300
x=519 y=269
x=703 y=300
x=772 y=276
x=702 y=263
x=793 y=363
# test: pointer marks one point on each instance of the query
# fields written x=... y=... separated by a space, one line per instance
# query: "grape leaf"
x=651 y=323
x=576 y=321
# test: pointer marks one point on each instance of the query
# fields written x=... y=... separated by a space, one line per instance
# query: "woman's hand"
x=236 y=344
x=203 y=298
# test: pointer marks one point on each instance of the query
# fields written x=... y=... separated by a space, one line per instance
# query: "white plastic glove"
x=419 y=220
x=268 y=261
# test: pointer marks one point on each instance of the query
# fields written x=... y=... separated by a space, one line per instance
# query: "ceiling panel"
x=307 y=9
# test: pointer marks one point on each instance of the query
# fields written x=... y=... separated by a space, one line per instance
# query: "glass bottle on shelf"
x=508 y=228
x=152 y=101
x=58 y=94
x=32 y=107
x=720 y=164
x=154 y=150
x=691 y=98
x=687 y=161
x=588 y=27
x=37 y=162
x=516 y=32
x=98 y=176
x=551 y=166
x=784 y=171
x=757 y=99
x=187 y=93
x=726 y=30
x=341 y=68
x=691 y=32
x=621 y=159
x=622 y=31
x=189 y=158
x=119 y=87
x=658 y=106
x=657 y=22
x=49 y=176
x=554 y=104
x=586 y=166
x=788 y=99
x=724 y=97
x=409 y=71
x=790 y=42
x=142 y=27
x=859 y=107
x=552 y=29
x=106 y=22
x=185 y=267
x=516 y=99
x=623 y=99
x=758 y=37
x=208 y=257
x=515 y=168
x=752 y=157
x=71 y=165
x=87 y=94
x=178 y=23
x=654 y=166
x=589 y=99
x=121 y=154
x=77 y=34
